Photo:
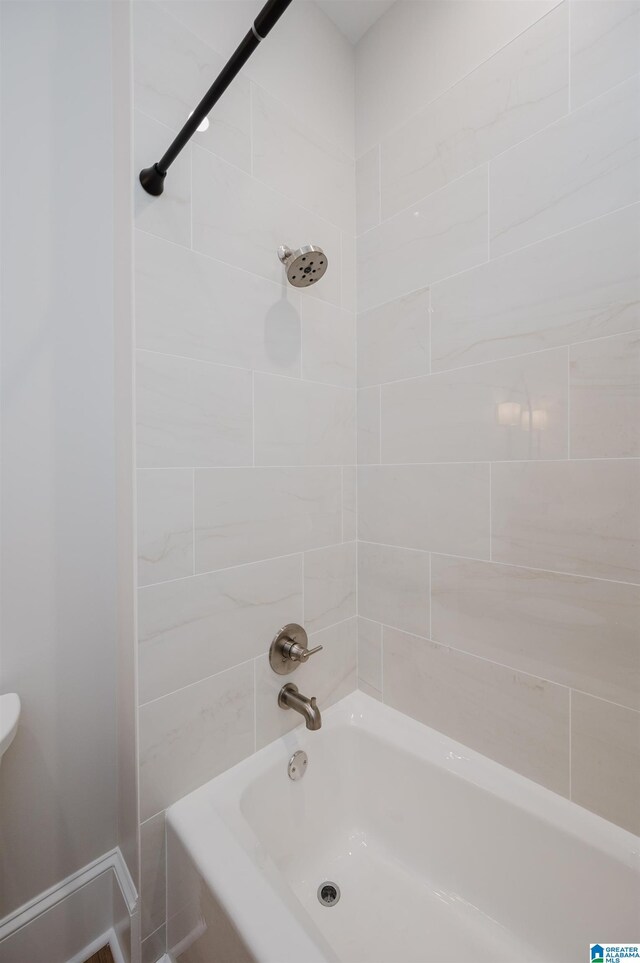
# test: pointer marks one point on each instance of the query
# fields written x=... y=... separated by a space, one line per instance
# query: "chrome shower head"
x=305 y=266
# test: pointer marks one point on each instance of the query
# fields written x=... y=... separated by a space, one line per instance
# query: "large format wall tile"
x=582 y=167
x=303 y=423
x=169 y=217
x=190 y=413
x=368 y=190
x=505 y=410
x=368 y=402
x=438 y=508
x=172 y=70
x=393 y=340
x=518 y=91
x=605 y=760
x=430 y=47
x=370 y=656
x=329 y=676
x=444 y=234
x=605 y=39
x=307 y=46
x=247 y=514
x=328 y=343
x=605 y=398
x=165 y=524
x=582 y=284
x=287 y=153
x=349 y=503
x=579 y=517
x=190 y=736
x=517 y=719
x=329 y=586
x=393 y=587
x=152 y=874
x=195 y=627
x=580 y=632
x=191 y=305
x=241 y=221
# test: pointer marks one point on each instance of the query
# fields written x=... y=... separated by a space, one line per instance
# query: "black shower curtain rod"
x=152 y=178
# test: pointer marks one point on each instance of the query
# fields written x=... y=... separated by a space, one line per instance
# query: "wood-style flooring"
x=102 y=956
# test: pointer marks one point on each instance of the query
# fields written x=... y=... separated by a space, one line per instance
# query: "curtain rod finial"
x=152 y=179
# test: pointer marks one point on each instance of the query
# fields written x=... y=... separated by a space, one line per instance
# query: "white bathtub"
x=441 y=855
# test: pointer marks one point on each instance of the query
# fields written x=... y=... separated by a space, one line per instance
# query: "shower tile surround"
x=246 y=400
x=499 y=387
x=492 y=375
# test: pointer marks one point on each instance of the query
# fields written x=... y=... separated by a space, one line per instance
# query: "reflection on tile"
x=172 y=69
x=605 y=760
x=329 y=676
x=370 y=655
x=171 y=218
x=518 y=720
x=582 y=284
x=393 y=587
x=579 y=632
x=605 y=398
x=303 y=423
x=190 y=413
x=459 y=415
x=192 y=628
x=289 y=155
x=190 y=736
x=518 y=91
x=579 y=517
x=328 y=343
x=444 y=234
x=393 y=340
x=368 y=426
x=152 y=874
x=368 y=190
x=584 y=166
x=329 y=586
x=190 y=305
x=439 y=508
x=247 y=514
x=239 y=220
x=165 y=524
x=349 y=484
x=605 y=39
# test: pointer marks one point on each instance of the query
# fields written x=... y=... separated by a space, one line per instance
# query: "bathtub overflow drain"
x=297 y=765
x=328 y=893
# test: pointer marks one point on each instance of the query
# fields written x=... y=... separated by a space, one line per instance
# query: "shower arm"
x=152 y=178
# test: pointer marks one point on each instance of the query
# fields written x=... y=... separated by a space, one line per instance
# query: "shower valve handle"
x=297 y=653
x=290 y=648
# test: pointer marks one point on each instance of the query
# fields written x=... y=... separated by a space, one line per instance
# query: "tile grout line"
x=570 y=745
x=569 y=404
x=490 y=513
x=569 y=57
x=434 y=282
x=193 y=519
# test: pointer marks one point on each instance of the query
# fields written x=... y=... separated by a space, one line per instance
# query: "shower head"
x=305 y=266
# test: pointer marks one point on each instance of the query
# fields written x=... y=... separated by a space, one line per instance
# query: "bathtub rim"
x=252 y=903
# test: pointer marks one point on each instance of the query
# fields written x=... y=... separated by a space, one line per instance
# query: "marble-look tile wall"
x=498 y=371
x=246 y=397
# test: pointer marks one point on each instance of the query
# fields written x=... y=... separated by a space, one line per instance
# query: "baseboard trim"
x=111 y=862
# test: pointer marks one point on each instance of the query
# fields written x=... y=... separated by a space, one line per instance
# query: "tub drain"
x=328 y=893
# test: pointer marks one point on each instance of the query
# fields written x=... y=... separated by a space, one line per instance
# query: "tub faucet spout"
x=291 y=698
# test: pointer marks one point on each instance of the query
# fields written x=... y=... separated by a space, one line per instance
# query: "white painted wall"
x=59 y=782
